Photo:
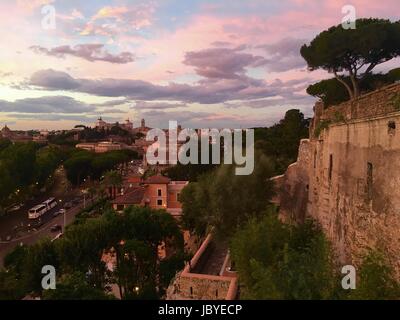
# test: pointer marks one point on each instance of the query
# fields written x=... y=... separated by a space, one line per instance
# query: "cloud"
x=89 y=52
x=193 y=119
x=187 y=118
x=158 y=105
x=111 y=110
x=60 y=117
x=222 y=63
x=31 y=5
x=54 y=80
x=114 y=20
x=207 y=91
x=295 y=100
x=284 y=55
x=112 y=103
x=5 y=74
x=48 y=105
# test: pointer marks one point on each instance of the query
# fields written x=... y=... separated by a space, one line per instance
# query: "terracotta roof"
x=133 y=196
x=157 y=180
x=134 y=179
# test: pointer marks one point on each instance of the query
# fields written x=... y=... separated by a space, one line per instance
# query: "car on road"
x=56 y=228
x=58 y=212
x=15 y=207
x=68 y=205
x=76 y=201
x=35 y=224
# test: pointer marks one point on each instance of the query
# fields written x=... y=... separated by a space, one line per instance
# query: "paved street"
x=44 y=231
x=15 y=225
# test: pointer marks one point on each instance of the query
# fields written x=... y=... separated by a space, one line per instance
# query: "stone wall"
x=295 y=186
x=200 y=287
x=194 y=286
x=348 y=178
x=377 y=103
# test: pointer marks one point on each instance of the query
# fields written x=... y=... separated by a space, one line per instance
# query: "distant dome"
x=5 y=129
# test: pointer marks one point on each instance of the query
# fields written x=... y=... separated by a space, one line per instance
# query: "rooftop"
x=157 y=180
x=133 y=196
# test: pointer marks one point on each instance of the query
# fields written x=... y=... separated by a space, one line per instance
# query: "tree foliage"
x=75 y=286
x=225 y=200
x=353 y=52
x=280 y=142
x=332 y=92
x=134 y=236
x=25 y=164
x=278 y=261
x=83 y=164
x=375 y=279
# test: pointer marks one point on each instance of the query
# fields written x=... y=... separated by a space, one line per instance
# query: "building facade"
x=156 y=192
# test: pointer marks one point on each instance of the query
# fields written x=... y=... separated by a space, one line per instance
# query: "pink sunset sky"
x=202 y=63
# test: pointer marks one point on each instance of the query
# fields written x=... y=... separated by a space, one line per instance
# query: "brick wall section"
x=373 y=104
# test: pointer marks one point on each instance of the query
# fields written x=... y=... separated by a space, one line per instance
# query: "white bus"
x=50 y=203
x=37 y=211
x=42 y=208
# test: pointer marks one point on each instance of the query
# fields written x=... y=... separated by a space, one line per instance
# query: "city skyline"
x=200 y=62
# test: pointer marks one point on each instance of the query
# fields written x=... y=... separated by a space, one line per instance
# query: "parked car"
x=35 y=224
x=58 y=212
x=15 y=207
x=68 y=205
x=76 y=201
x=56 y=228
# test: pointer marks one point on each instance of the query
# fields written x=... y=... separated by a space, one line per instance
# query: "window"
x=120 y=207
x=369 y=180
x=315 y=159
x=191 y=291
x=159 y=202
x=391 y=127
x=178 y=196
x=330 y=167
x=159 y=193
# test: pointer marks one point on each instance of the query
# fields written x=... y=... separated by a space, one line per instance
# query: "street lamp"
x=65 y=216
x=84 y=191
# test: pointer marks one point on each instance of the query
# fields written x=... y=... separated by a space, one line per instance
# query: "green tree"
x=4 y=143
x=113 y=179
x=225 y=200
x=74 y=286
x=278 y=261
x=332 y=92
x=47 y=161
x=78 y=166
x=136 y=236
x=376 y=279
x=280 y=142
x=356 y=52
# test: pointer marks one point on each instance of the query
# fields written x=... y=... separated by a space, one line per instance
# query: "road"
x=44 y=231
x=15 y=224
